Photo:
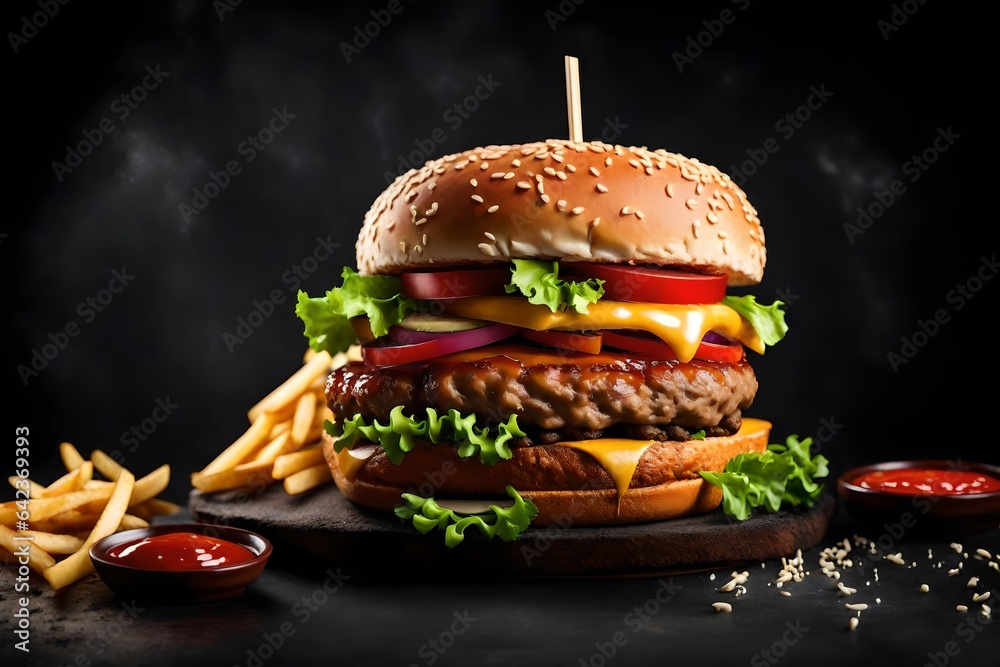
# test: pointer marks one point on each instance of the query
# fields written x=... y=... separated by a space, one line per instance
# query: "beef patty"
x=548 y=398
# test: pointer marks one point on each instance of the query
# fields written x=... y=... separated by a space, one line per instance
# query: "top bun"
x=567 y=201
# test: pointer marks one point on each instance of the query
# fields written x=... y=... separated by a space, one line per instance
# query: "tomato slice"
x=589 y=343
x=455 y=284
x=728 y=353
x=637 y=283
x=381 y=354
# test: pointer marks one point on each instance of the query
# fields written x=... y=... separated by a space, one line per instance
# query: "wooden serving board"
x=329 y=528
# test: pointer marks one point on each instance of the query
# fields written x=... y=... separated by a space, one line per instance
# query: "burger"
x=543 y=331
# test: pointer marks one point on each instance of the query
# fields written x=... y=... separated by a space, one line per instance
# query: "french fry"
x=287 y=465
x=45 y=508
x=305 y=410
x=78 y=564
x=307 y=479
x=53 y=543
x=273 y=449
x=279 y=428
x=158 y=507
x=245 y=445
x=289 y=390
x=67 y=522
x=147 y=487
x=130 y=522
x=35 y=490
x=245 y=474
x=38 y=559
x=71 y=458
x=106 y=465
x=64 y=484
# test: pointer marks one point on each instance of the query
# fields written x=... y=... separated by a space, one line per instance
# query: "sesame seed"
x=509 y=175
x=691 y=203
x=550 y=171
x=607 y=162
x=484 y=165
x=419 y=249
x=477 y=198
x=634 y=163
x=524 y=185
x=487 y=249
x=424 y=239
x=561 y=175
x=417 y=223
x=496 y=175
x=545 y=198
x=846 y=590
x=601 y=187
x=516 y=162
x=474 y=183
x=960 y=608
x=431 y=186
x=670 y=189
x=952 y=572
x=402 y=246
x=956 y=547
x=593 y=170
x=785 y=593
x=557 y=157
x=639 y=214
x=694 y=228
x=561 y=204
x=725 y=251
x=649 y=171
x=626 y=210
x=729 y=200
x=896 y=558
x=723 y=607
x=698 y=189
x=493 y=209
x=577 y=210
x=722 y=234
x=571 y=168
x=489 y=236
x=712 y=218
x=413 y=214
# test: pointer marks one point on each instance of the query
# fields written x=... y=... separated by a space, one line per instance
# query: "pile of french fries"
x=71 y=514
x=283 y=440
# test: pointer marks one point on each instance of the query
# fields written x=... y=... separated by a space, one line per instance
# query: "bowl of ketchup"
x=180 y=563
x=923 y=499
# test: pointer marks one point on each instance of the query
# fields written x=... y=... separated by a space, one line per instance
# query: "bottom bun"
x=568 y=486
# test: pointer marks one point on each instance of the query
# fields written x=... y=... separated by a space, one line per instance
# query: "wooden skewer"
x=573 y=108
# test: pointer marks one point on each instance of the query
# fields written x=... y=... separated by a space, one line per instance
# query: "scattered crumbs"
x=785 y=593
x=924 y=588
x=973 y=582
x=846 y=590
x=961 y=608
x=711 y=577
x=896 y=558
x=980 y=597
x=952 y=572
x=724 y=607
x=986 y=611
x=984 y=553
x=878 y=600
x=860 y=606
x=852 y=624
x=956 y=546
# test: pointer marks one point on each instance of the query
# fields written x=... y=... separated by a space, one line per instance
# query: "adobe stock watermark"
x=262 y=309
x=106 y=633
x=248 y=149
x=696 y=44
x=59 y=340
x=562 y=12
x=454 y=116
x=30 y=25
x=364 y=34
x=121 y=108
x=635 y=620
x=898 y=17
x=435 y=647
x=139 y=433
x=913 y=168
x=786 y=126
x=967 y=630
x=780 y=647
x=223 y=7
x=957 y=297
x=303 y=610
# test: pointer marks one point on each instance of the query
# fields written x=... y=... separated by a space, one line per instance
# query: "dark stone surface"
x=328 y=526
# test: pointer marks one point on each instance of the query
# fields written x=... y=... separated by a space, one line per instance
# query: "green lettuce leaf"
x=540 y=282
x=767 y=321
x=505 y=523
x=782 y=475
x=327 y=318
x=402 y=433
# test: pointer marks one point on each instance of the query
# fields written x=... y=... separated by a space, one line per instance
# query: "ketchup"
x=180 y=551
x=928 y=481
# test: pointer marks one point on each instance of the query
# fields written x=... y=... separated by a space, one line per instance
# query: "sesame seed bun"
x=563 y=200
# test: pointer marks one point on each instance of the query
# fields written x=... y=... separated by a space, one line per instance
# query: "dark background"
x=850 y=304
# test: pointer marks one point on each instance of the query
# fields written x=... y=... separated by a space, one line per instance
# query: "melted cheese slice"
x=350 y=460
x=680 y=326
x=620 y=456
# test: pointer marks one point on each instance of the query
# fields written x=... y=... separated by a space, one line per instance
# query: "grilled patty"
x=557 y=399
